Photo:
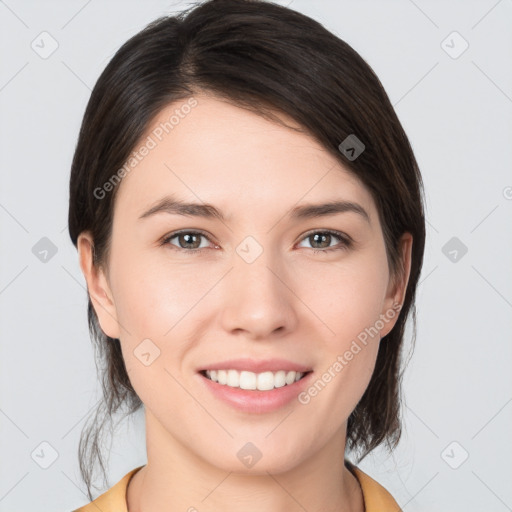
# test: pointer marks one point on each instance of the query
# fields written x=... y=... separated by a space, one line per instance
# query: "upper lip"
x=255 y=366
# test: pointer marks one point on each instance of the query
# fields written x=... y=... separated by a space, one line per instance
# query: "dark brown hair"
x=267 y=58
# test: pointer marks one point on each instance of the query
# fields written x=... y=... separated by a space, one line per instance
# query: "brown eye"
x=188 y=241
x=321 y=241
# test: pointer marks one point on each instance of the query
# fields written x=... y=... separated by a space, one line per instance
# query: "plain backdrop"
x=446 y=67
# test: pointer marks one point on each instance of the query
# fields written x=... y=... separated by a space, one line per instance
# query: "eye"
x=325 y=237
x=189 y=241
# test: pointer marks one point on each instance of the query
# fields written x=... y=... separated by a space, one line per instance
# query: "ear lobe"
x=97 y=286
x=398 y=286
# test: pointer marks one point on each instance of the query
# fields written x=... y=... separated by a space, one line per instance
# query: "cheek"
x=347 y=296
x=161 y=306
x=349 y=306
x=347 y=356
x=153 y=304
x=153 y=296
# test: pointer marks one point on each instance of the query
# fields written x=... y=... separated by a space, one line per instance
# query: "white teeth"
x=222 y=377
x=233 y=379
x=248 y=380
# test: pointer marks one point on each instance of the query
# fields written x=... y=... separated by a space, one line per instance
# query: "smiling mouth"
x=264 y=381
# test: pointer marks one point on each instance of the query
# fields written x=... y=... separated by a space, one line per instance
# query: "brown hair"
x=264 y=57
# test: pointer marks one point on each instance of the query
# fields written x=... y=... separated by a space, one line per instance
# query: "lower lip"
x=256 y=401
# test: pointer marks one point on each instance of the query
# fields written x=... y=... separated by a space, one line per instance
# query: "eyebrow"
x=174 y=206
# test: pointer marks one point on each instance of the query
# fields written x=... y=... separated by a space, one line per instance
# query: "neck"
x=176 y=478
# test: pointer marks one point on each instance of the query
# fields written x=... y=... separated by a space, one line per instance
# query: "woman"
x=249 y=220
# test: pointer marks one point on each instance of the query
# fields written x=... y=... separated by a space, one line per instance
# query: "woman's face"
x=263 y=284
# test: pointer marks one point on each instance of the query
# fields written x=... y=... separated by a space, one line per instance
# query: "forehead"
x=220 y=153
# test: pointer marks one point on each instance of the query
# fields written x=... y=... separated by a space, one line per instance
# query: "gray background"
x=457 y=114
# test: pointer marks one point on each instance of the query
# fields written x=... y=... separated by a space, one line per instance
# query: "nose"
x=257 y=299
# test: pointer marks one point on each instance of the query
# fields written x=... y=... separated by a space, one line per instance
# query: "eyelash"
x=346 y=241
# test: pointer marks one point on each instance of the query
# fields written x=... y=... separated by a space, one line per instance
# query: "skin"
x=289 y=303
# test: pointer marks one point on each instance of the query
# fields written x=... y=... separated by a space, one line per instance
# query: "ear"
x=97 y=286
x=397 y=288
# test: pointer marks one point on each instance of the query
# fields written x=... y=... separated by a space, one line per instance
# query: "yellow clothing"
x=376 y=498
